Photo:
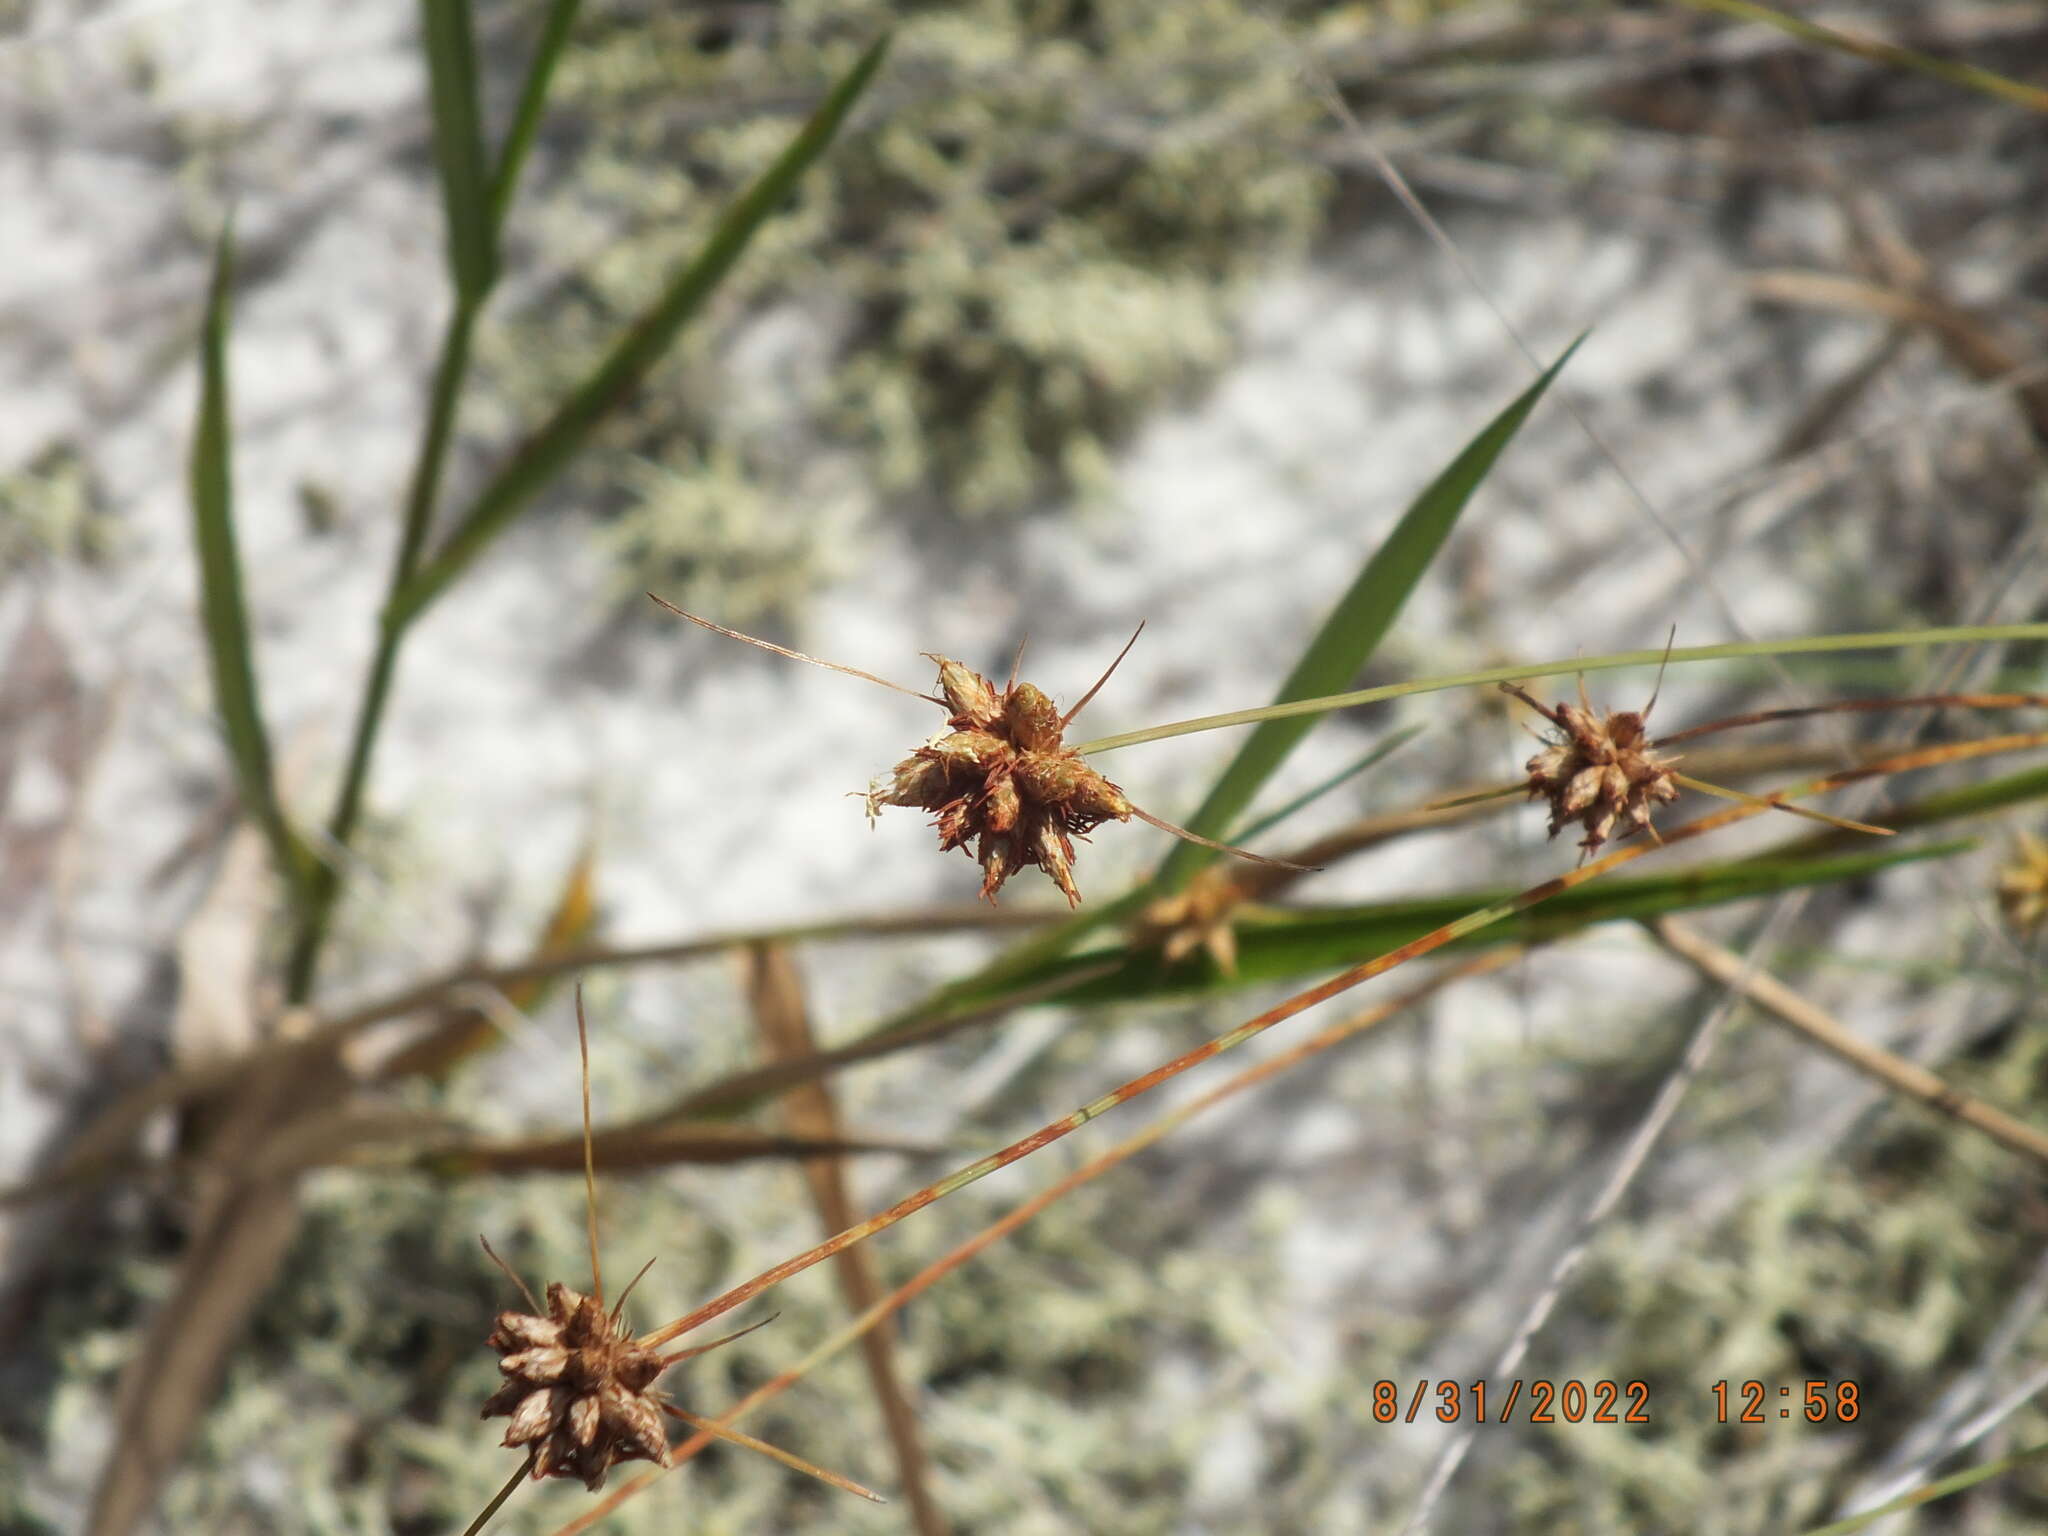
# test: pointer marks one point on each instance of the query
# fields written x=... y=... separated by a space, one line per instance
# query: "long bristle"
x=783 y=650
x=511 y=1274
x=1068 y=717
x=704 y=1349
x=774 y=1452
x=1208 y=842
x=619 y=1306
x=1670 y=640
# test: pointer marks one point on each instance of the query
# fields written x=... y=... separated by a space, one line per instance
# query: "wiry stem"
x=421 y=495
x=498 y=1499
x=589 y=1153
x=1861 y=707
x=1805 y=645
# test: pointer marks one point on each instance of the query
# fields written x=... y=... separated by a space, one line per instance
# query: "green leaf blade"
x=533 y=96
x=466 y=186
x=548 y=450
x=1355 y=627
x=222 y=610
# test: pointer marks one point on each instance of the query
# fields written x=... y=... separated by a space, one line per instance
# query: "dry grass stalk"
x=1893 y=1072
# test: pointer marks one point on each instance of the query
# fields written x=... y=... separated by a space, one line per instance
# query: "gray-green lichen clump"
x=1031 y=233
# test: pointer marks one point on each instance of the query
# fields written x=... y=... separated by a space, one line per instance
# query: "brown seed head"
x=1003 y=782
x=579 y=1387
x=1598 y=772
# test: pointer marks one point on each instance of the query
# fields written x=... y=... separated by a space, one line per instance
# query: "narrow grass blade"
x=1877 y=51
x=459 y=146
x=222 y=611
x=533 y=98
x=548 y=450
x=1362 y=617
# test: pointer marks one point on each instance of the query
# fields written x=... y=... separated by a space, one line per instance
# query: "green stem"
x=419 y=515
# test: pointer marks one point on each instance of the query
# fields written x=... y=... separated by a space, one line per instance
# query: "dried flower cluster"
x=1598 y=771
x=1001 y=780
x=2023 y=885
x=1201 y=917
x=579 y=1387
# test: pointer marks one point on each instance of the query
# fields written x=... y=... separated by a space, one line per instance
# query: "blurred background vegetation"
x=1048 y=229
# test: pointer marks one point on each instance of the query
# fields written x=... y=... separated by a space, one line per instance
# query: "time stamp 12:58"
x=1544 y=1401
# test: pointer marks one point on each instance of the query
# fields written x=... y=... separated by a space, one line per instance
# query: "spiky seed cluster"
x=580 y=1387
x=1598 y=771
x=1002 y=781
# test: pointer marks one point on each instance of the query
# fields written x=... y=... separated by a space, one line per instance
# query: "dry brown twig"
x=775 y=993
x=1873 y=1061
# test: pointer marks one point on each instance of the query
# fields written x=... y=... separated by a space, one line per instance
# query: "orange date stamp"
x=1540 y=1401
